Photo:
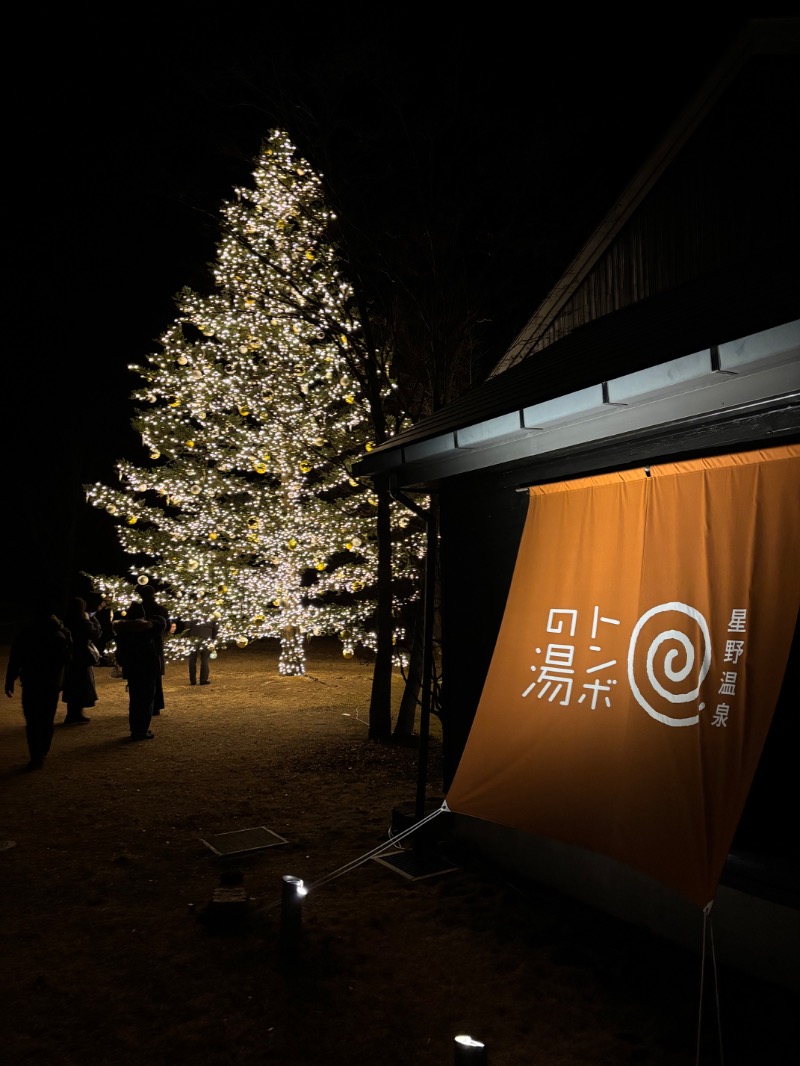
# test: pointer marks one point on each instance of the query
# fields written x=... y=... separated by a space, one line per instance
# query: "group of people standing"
x=79 y=691
x=53 y=658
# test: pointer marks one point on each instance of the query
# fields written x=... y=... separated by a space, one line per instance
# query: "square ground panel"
x=414 y=867
x=242 y=840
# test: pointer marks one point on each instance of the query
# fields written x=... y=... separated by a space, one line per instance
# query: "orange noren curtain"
x=639 y=661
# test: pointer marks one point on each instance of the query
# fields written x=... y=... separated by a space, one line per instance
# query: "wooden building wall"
x=730 y=193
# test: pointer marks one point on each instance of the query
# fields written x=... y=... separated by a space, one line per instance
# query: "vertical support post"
x=427 y=659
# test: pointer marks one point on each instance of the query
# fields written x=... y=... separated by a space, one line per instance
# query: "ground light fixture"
x=292 y=892
x=470 y=1052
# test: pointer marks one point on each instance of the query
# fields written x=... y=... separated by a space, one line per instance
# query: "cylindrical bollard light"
x=292 y=892
x=470 y=1052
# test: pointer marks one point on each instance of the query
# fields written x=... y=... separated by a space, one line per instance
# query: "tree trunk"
x=292 y=660
x=406 y=716
x=380 y=707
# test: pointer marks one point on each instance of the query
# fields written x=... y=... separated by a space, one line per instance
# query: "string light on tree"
x=250 y=414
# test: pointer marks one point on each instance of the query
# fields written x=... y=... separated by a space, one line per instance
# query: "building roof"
x=722 y=346
x=676 y=356
x=757 y=38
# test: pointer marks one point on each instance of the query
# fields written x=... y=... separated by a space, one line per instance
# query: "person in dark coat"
x=202 y=632
x=153 y=609
x=100 y=609
x=38 y=657
x=79 y=689
x=139 y=654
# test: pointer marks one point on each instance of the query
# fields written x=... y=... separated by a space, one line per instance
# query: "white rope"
x=379 y=850
x=716 y=992
x=708 y=937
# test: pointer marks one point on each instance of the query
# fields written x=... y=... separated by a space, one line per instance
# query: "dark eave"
x=721 y=345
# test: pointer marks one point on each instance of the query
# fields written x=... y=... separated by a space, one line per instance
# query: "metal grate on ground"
x=240 y=841
x=416 y=867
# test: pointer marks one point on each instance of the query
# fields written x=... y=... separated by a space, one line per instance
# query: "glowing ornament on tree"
x=279 y=319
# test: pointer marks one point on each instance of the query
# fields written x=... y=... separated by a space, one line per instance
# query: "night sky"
x=506 y=136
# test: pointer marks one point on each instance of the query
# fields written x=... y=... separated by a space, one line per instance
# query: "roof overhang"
x=699 y=393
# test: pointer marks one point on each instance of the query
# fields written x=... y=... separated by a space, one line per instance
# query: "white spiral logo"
x=678 y=662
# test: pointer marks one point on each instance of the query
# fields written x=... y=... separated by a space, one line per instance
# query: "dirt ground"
x=126 y=939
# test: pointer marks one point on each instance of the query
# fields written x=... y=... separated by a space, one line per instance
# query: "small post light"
x=292 y=892
x=470 y=1052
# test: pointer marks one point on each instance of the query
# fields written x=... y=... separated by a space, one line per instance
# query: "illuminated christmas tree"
x=250 y=415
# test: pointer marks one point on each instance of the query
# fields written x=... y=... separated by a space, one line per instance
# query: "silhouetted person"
x=202 y=632
x=101 y=610
x=139 y=655
x=153 y=609
x=38 y=656
x=79 y=689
